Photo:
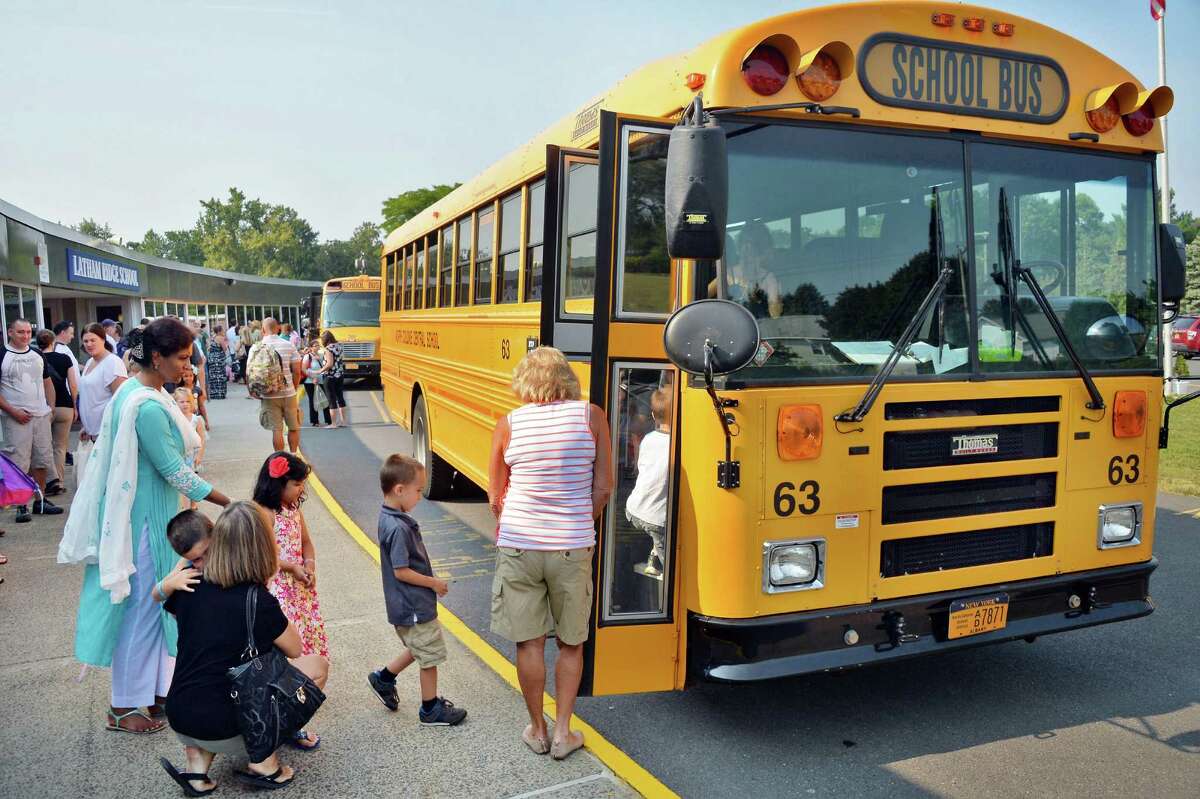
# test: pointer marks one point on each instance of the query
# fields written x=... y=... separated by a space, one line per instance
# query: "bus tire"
x=438 y=474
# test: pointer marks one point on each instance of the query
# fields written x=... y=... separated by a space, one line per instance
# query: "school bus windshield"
x=350 y=309
x=830 y=245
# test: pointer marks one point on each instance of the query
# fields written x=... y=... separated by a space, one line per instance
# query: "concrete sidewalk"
x=52 y=737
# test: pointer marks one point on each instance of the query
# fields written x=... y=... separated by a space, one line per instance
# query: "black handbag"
x=273 y=698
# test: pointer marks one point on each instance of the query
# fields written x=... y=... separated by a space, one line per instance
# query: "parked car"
x=1185 y=336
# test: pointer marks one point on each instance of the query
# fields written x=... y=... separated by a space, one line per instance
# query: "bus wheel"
x=438 y=474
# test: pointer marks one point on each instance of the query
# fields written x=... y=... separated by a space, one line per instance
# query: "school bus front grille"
x=933 y=553
x=953 y=498
x=358 y=349
x=915 y=449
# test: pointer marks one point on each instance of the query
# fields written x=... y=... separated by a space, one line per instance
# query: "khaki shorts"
x=425 y=642
x=275 y=412
x=29 y=445
x=536 y=593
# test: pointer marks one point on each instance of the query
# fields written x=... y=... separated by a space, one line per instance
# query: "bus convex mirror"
x=697 y=186
x=711 y=337
x=1173 y=253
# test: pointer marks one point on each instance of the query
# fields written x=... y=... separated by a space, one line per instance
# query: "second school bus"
x=914 y=189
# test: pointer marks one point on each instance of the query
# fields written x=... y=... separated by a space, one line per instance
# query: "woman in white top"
x=549 y=478
x=102 y=375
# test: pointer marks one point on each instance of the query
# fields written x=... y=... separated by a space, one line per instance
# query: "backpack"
x=264 y=371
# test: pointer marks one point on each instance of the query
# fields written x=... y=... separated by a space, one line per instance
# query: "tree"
x=404 y=206
x=177 y=245
x=99 y=230
x=1191 y=297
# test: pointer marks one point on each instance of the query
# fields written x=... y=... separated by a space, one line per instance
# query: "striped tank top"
x=550 y=455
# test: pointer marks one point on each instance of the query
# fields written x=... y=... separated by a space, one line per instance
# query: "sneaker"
x=385 y=690
x=54 y=488
x=442 y=714
x=46 y=508
x=23 y=514
x=70 y=459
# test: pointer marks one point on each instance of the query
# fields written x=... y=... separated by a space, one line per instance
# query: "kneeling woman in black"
x=212 y=637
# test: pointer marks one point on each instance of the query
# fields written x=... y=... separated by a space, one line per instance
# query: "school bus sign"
x=931 y=75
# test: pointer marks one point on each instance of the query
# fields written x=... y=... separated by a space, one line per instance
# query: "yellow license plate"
x=979 y=615
x=351 y=366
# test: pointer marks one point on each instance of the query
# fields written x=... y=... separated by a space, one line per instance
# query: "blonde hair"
x=544 y=375
x=182 y=393
x=242 y=549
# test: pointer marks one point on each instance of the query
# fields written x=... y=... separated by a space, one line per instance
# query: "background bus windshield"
x=830 y=245
x=350 y=309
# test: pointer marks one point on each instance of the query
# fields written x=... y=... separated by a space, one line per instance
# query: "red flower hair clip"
x=278 y=466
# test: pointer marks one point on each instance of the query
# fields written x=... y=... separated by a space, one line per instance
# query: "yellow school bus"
x=350 y=310
x=918 y=450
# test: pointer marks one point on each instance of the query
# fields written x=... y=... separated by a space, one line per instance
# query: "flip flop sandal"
x=114 y=724
x=302 y=735
x=182 y=779
x=539 y=746
x=3 y=559
x=263 y=780
x=559 y=750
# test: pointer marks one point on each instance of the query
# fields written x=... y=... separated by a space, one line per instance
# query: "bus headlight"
x=1119 y=525
x=793 y=565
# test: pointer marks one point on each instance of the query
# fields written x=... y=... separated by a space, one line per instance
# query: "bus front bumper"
x=745 y=650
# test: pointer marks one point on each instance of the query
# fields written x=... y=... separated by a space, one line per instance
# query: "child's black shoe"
x=385 y=690
x=442 y=714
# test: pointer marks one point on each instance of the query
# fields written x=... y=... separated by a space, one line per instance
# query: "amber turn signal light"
x=1129 y=414
x=800 y=432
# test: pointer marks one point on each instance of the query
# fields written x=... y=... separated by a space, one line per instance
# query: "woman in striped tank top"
x=550 y=476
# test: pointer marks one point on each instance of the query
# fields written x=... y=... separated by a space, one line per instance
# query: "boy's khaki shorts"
x=536 y=593
x=425 y=642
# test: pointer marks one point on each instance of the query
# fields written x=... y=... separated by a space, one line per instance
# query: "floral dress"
x=299 y=602
x=217 y=360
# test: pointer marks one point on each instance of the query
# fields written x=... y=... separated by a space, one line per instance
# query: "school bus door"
x=634 y=642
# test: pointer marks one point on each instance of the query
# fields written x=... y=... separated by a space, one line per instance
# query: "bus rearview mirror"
x=697 y=187
x=1173 y=255
x=711 y=337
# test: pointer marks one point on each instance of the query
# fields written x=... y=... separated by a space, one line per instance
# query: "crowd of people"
x=161 y=582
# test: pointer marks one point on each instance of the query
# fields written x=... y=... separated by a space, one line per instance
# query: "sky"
x=132 y=111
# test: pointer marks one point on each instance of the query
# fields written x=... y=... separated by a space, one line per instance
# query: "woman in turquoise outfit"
x=120 y=625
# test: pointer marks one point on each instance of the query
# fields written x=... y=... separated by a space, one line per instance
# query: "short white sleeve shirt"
x=66 y=350
x=94 y=392
x=21 y=376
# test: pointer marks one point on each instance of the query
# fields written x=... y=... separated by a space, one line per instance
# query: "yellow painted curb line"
x=617 y=761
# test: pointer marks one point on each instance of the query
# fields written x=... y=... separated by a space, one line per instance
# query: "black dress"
x=212 y=637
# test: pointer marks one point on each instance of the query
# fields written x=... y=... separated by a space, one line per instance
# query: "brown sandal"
x=115 y=719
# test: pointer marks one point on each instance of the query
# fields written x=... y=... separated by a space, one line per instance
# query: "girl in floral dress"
x=280 y=490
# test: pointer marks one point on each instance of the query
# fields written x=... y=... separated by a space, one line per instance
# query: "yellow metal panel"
x=634 y=658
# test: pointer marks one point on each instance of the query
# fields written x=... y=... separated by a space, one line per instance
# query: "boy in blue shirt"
x=410 y=591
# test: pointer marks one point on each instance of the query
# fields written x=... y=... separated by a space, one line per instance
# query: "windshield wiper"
x=946 y=271
x=812 y=108
x=1012 y=271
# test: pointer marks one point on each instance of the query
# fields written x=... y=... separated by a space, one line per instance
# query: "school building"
x=49 y=272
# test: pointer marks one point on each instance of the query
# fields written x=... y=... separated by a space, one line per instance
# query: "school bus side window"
x=446 y=276
x=463 y=295
x=389 y=279
x=419 y=295
x=533 y=244
x=431 y=265
x=485 y=222
x=510 y=246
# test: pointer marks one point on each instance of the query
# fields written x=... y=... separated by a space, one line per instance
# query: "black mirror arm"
x=1164 y=432
x=728 y=473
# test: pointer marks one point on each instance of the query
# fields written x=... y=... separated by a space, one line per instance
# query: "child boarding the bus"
x=646 y=508
x=410 y=591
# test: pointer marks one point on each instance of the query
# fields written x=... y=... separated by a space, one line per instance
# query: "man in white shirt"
x=26 y=399
x=64 y=334
x=281 y=408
